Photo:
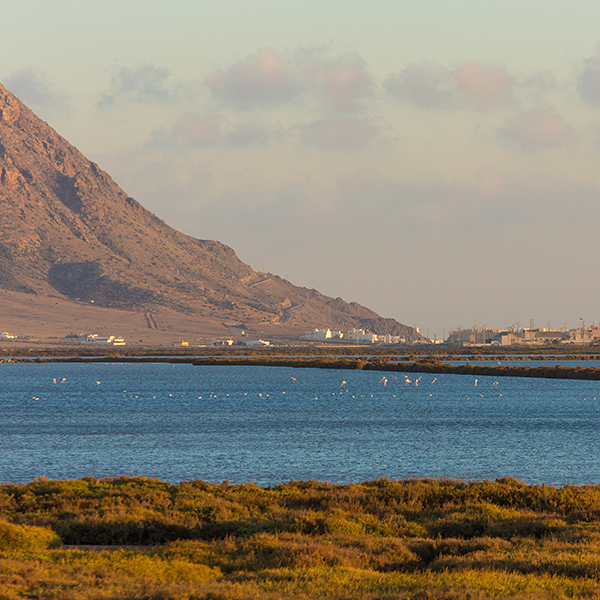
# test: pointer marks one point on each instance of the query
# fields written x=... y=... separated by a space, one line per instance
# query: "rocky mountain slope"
x=67 y=230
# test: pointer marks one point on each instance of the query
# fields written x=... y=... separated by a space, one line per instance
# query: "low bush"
x=23 y=537
x=417 y=538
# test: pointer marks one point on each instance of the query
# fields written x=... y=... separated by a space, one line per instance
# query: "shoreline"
x=429 y=364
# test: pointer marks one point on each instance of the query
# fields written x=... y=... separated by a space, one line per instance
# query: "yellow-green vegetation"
x=144 y=538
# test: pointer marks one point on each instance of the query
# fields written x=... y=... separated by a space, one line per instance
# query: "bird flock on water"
x=384 y=381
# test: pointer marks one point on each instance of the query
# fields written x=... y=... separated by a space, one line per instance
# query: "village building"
x=360 y=335
x=254 y=343
x=110 y=340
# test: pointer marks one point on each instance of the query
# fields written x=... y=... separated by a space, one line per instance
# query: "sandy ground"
x=39 y=320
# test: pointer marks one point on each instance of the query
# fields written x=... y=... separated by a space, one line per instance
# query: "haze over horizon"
x=436 y=162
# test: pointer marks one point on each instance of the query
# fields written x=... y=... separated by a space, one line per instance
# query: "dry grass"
x=143 y=538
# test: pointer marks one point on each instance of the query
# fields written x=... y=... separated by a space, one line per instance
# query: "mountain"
x=68 y=232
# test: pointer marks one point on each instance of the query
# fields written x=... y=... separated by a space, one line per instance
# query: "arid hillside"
x=68 y=232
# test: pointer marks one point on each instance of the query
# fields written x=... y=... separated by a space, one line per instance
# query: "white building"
x=109 y=340
x=255 y=343
x=391 y=339
x=360 y=335
x=317 y=334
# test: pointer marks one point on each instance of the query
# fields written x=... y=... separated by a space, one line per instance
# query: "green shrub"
x=23 y=537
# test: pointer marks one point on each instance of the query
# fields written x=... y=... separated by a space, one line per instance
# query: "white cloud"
x=266 y=79
x=201 y=130
x=344 y=81
x=261 y=80
x=35 y=90
x=144 y=84
x=471 y=83
x=485 y=85
x=426 y=84
x=538 y=128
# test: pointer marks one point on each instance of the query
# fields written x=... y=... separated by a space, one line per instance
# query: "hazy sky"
x=436 y=161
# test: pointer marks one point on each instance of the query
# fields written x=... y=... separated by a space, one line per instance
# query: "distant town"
x=523 y=336
x=462 y=337
x=474 y=336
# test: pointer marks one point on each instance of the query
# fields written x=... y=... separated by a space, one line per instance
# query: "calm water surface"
x=266 y=424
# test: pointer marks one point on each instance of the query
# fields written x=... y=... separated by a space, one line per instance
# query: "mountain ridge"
x=67 y=229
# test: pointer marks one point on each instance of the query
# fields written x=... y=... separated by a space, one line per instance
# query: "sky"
x=435 y=161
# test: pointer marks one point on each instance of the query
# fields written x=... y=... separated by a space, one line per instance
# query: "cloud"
x=538 y=128
x=485 y=85
x=426 y=84
x=430 y=85
x=243 y=135
x=197 y=130
x=340 y=132
x=589 y=80
x=261 y=80
x=34 y=90
x=144 y=84
x=492 y=202
x=266 y=79
x=203 y=130
x=344 y=81
x=540 y=81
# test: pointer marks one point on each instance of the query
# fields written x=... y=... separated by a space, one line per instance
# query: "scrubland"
x=144 y=538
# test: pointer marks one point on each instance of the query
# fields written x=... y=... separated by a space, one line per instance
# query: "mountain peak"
x=68 y=230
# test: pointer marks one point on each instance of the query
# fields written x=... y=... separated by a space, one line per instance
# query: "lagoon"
x=269 y=425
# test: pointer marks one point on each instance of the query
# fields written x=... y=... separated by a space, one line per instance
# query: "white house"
x=317 y=334
x=255 y=343
x=110 y=340
x=360 y=335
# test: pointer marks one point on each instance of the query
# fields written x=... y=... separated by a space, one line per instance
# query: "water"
x=179 y=422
